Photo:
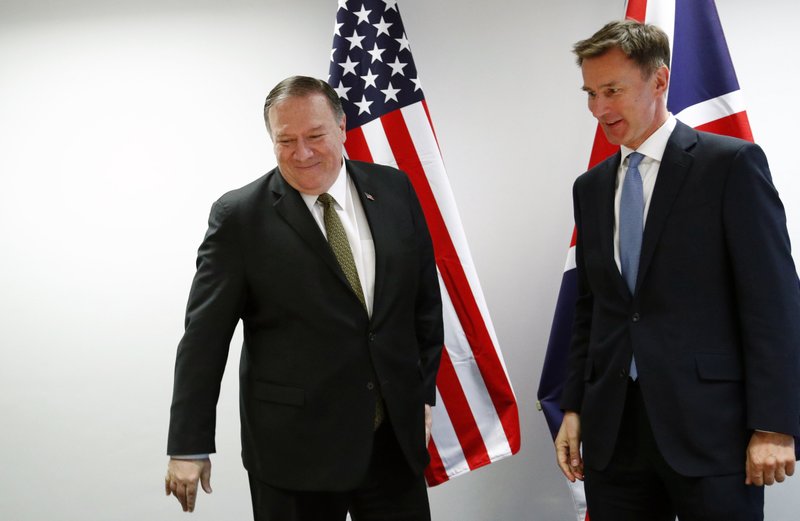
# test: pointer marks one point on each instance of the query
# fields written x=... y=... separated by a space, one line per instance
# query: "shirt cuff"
x=189 y=456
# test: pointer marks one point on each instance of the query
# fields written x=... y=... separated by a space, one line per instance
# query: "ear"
x=343 y=128
x=662 y=79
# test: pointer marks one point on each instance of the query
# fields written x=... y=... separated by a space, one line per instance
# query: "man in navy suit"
x=330 y=267
x=683 y=382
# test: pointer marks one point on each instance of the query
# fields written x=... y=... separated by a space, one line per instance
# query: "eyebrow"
x=603 y=86
x=279 y=134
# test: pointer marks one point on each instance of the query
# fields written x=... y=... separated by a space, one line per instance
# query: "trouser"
x=638 y=485
x=390 y=491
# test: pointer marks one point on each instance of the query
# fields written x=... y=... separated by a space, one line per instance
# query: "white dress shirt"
x=351 y=213
x=653 y=151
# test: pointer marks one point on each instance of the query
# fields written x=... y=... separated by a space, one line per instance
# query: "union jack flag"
x=475 y=421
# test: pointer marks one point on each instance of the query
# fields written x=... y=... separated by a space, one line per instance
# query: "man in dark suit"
x=683 y=375
x=330 y=267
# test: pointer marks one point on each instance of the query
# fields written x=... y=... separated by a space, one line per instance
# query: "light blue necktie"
x=631 y=225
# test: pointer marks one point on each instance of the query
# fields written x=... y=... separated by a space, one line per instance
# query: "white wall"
x=121 y=122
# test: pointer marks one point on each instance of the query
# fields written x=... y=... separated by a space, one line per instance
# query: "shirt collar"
x=654 y=146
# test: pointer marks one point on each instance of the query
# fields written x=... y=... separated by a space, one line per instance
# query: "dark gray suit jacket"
x=306 y=395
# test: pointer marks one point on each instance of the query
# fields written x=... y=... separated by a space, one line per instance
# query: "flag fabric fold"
x=475 y=421
x=703 y=93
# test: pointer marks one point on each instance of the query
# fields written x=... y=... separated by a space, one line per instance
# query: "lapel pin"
x=369 y=196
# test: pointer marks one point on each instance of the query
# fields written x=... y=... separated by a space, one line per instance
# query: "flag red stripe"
x=356 y=145
x=455 y=280
x=435 y=473
x=430 y=122
x=735 y=125
x=636 y=10
x=464 y=424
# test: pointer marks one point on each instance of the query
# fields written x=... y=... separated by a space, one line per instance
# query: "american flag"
x=475 y=421
x=703 y=93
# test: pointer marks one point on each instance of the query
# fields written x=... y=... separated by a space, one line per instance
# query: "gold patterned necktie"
x=337 y=239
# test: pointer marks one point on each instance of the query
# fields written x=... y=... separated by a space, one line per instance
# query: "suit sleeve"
x=767 y=292
x=572 y=395
x=428 y=310
x=213 y=310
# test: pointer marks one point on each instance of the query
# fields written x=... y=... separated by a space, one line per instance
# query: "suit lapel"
x=370 y=198
x=607 y=187
x=675 y=165
x=291 y=207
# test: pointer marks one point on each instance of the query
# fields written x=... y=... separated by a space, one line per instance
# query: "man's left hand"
x=428 y=423
x=770 y=458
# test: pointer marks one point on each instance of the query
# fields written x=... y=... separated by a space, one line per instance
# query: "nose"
x=597 y=107
x=302 y=151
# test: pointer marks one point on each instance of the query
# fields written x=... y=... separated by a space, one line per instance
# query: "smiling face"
x=308 y=142
x=628 y=105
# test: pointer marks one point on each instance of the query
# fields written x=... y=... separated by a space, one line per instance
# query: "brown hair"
x=645 y=44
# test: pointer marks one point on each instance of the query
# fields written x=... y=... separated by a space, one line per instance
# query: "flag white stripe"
x=713 y=109
x=578 y=499
x=419 y=129
x=454 y=337
x=570 y=264
x=472 y=383
x=447 y=444
x=483 y=410
x=378 y=144
x=662 y=14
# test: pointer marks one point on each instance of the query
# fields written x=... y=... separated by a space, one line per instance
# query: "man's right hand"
x=181 y=480
x=568 y=447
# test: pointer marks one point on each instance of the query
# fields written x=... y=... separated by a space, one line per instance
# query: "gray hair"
x=299 y=86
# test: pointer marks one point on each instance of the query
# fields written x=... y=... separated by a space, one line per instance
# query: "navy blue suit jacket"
x=714 y=320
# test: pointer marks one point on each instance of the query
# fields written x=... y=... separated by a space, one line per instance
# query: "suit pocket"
x=279 y=394
x=719 y=367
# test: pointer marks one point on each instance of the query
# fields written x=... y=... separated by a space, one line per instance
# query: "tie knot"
x=633 y=159
x=326 y=199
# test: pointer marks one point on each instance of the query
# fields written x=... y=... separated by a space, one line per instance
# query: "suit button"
x=370 y=386
x=635 y=317
x=371 y=336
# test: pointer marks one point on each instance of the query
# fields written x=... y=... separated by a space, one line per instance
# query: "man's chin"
x=612 y=136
